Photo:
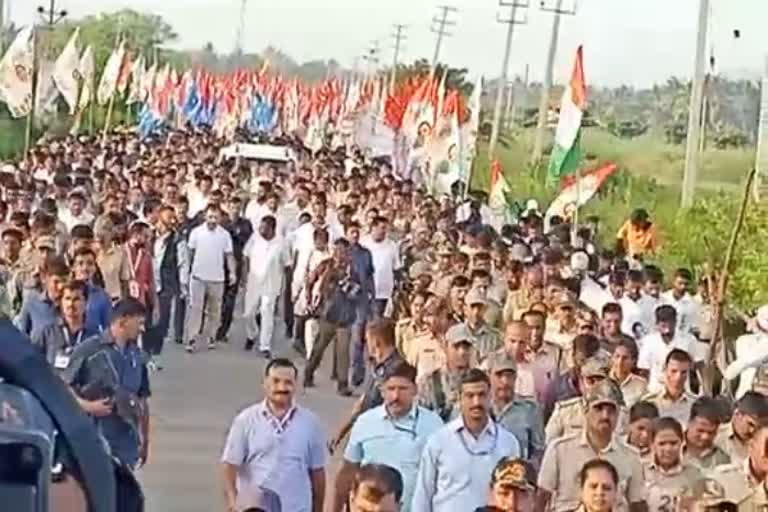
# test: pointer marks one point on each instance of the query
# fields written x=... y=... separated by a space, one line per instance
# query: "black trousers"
x=227 y=311
x=180 y=318
x=155 y=335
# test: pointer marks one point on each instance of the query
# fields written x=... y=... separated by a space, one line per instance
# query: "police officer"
x=674 y=399
x=743 y=483
x=113 y=367
x=734 y=436
x=439 y=390
x=520 y=416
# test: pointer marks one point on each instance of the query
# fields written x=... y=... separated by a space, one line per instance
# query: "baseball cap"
x=475 y=296
x=128 y=307
x=605 y=392
x=458 y=334
x=595 y=367
x=514 y=472
x=419 y=268
x=579 y=261
x=500 y=362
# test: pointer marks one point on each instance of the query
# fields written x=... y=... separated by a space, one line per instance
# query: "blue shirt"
x=455 y=468
x=276 y=454
x=98 y=309
x=376 y=438
x=361 y=261
x=37 y=312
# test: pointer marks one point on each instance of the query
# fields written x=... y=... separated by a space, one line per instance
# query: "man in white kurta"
x=267 y=256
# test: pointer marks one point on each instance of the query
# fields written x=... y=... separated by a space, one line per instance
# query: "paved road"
x=194 y=400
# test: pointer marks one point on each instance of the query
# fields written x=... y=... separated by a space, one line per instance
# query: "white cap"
x=532 y=205
x=579 y=261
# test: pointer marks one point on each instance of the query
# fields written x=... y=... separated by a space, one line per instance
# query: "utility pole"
x=240 y=34
x=511 y=22
x=439 y=24
x=538 y=146
x=694 y=109
x=399 y=37
x=513 y=99
x=2 y=26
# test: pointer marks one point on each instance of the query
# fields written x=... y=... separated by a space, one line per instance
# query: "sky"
x=634 y=42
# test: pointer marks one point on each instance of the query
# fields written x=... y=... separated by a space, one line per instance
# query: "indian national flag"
x=576 y=192
x=566 y=154
x=499 y=200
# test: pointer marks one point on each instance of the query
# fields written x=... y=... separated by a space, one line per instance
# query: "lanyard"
x=413 y=431
x=480 y=453
x=68 y=336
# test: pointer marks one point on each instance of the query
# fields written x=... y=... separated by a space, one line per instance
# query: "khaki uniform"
x=568 y=418
x=679 y=409
x=485 y=340
x=405 y=332
x=739 y=486
x=665 y=488
x=727 y=440
x=493 y=314
x=633 y=388
x=564 y=458
x=709 y=460
x=442 y=284
x=646 y=457
x=518 y=302
x=426 y=354
x=439 y=392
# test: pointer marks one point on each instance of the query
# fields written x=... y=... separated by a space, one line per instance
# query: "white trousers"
x=263 y=306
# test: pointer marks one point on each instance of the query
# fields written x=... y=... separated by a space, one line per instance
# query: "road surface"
x=194 y=399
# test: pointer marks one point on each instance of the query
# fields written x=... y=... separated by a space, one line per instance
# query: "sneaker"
x=212 y=345
x=249 y=343
x=190 y=348
x=299 y=347
x=266 y=354
x=152 y=366
x=179 y=341
x=343 y=390
x=158 y=363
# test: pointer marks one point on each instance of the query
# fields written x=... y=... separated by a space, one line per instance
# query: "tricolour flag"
x=138 y=70
x=16 y=74
x=576 y=191
x=500 y=201
x=111 y=75
x=66 y=72
x=469 y=134
x=566 y=153
x=87 y=69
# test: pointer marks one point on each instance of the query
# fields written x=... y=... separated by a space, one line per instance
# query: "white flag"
x=110 y=75
x=66 y=72
x=137 y=80
x=147 y=83
x=87 y=69
x=45 y=101
x=16 y=74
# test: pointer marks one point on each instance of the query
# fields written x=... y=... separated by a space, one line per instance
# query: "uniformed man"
x=113 y=368
x=521 y=416
x=564 y=457
x=640 y=430
x=481 y=281
x=700 y=448
x=623 y=365
x=668 y=478
x=484 y=338
x=439 y=390
x=568 y=416
x=408 y=328
x=743 y=483
x=444 y=274
x=674 y=400
x=751 y=410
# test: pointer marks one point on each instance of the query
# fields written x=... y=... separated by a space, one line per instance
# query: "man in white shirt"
x=265 y=261
x=751 y=353
x=655 y=347
x=637 y=309
x=75 y=214
x=210 y=248
x=386 y=261
x=688 y=310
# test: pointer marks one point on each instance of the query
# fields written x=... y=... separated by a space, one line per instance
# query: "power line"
x=541 y=125
x=513 y=5
x=439 y=24
x=399 y=36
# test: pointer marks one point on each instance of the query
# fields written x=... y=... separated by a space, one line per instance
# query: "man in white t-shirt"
x=655 y=347
x=688 y=310
x=266 y=258
x=210 y=248
x=386 y=261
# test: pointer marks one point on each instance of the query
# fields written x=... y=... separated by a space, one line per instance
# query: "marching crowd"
x=531 y=367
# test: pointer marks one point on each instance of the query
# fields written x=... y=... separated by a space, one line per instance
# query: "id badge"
x=61 y=362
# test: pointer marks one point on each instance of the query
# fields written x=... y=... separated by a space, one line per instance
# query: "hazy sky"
x=625 y=41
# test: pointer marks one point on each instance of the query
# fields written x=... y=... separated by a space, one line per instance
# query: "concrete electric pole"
x=513 y=5
x=371 y=56
x=694 y=110
x=439 y=25
x=240 y=34
x=399 y=37
x=541 y=126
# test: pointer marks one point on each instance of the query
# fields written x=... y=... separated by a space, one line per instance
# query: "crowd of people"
x=527 y=367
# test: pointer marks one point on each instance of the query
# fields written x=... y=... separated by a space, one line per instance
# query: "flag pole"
x=91 y=106
x=31 y=114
